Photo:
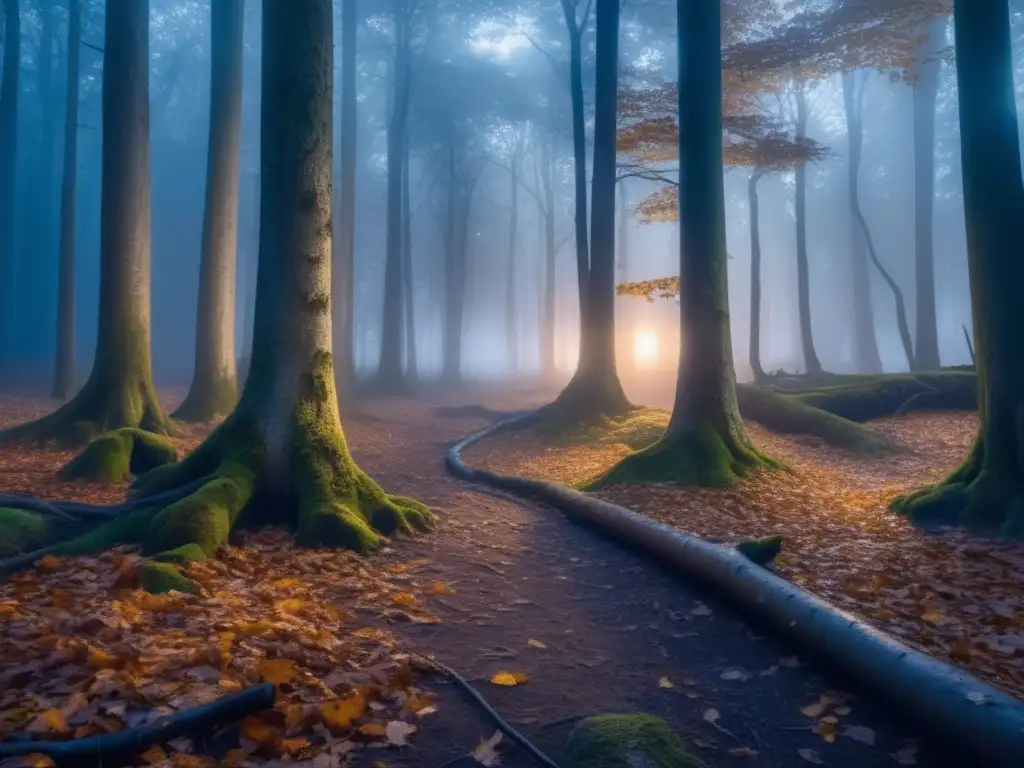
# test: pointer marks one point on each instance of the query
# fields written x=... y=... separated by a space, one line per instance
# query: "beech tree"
x=214 y=385
x=119 y=391
x=705 y=442
x=64 y=364
x=9 y=90
x=985 y=492
x=281 y=455
x=345 y=239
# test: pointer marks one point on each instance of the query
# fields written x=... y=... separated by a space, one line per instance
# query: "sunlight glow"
x=502 y=39
x=646 y=349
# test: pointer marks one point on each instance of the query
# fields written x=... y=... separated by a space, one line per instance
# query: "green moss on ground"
x=22 y=531
x=157 y=577
x=115 y=456
x=788 y=414
x=699 y=457
x=637 y=429
x=625 y=741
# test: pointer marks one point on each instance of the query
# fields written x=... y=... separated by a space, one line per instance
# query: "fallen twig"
x=115 y=748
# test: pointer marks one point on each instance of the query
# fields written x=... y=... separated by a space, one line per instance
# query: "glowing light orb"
x=646 y=349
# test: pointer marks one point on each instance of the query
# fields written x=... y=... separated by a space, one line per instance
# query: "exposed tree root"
x=94 y=410
x=701 y=456
x=113 y=457
x=972 y=497
x=122 y=747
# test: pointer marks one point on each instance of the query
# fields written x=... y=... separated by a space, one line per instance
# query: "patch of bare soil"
x=954 y=596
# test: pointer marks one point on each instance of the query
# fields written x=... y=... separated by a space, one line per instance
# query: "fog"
x=498 y=70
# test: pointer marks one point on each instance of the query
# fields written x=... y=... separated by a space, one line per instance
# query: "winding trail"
x=613 y=625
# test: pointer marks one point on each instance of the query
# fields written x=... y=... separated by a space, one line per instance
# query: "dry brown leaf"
x=860 y=733
x=486 y=752
x=664 y=682
x=276 y=671
x=535 y=643
x=712 y=716
x=341 y=712
x=398 y=732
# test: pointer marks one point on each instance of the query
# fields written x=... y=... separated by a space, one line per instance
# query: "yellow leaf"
x=293 y=746
x=665 y=683
x=509 y=678
x=416 y=703
x=155 y=754
x=276 y=671
x=50 y=721
x=341 y=712
x=154 y=603
x=535 y=643
x=291 y=606
x=287 y=584
x=259 y=730
x=932 y=616
x=373 y=729
x=49 y=562
x=225 y=641
x=405 y=600
x=440 y=588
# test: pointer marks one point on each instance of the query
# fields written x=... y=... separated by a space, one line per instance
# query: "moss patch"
x=117 y=455
x=156 y=577
x=761 y=551
x=625 y=741
x=637 y=429
x=22 y=531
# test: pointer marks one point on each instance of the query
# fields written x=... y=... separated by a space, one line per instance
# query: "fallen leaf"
x=49 y=721
x=535 y=643
x=291 y=606
x=259 y=730
x=810 y=756
x=341 y=712
x=49 y=562
x=431 y=710
x=440 y=588
x=712 y=715
x=932 y=616
x=276 y=671
x=508 y=678
x=155 y=754
x=860 y=733
x=816 y=709
x=827 y=730
x=398 y=732
x=373 y=729
x=907 y=755
x=486 y=752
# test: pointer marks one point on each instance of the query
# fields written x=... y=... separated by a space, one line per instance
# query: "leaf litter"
x=951 y=595
x=87 y=653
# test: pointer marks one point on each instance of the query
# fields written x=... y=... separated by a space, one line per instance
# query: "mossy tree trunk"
x=865 y=342
x=9 y=93
x=119 y=392
x=803 y=271
x=389 y=368
x=705 y=442
x=281 y=455
x=214 y=384
x=926 y=89
x=755 y=277
x=986 y=493
x=595 y=389
x=64 y=364
x=345 y=242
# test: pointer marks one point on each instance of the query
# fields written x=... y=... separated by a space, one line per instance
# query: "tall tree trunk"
x=622 y=265
x=926 y=89
x=755 y=277
x=550 y=255
x=705 y=442
x=345 y=263
x=281 y=456
x=511 y=317
x=579 y=151
x=389 y=368
x=64 y=365
x=214 y=382
x=595 y=389
x=9 y=93
x=451 y=367
x=119 y=392
x=408 y=283
x=985 y=493
x=865 y=343
x=38 y=315
x=803 y=273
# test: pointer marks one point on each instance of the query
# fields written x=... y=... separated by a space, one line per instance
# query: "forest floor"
x=584 y=626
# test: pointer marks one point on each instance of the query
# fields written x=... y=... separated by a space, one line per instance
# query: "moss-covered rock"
x=22 y=531
x=115 y=456
x=625 y=741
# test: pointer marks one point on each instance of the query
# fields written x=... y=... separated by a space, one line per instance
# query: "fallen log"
x=122 y=747
x=972 y=717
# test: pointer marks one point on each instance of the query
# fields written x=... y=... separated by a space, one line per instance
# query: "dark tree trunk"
x=579 y=151
x=865 y=343
x=64 y=365
x=986 y=492
x=214 y=382
x=281 y=456
x=926 y=88
x=451 y=367
x=9 y=93
x=344 y=268
x=389 y=369
x=705 y=442
x=40 y=314
x=408 y=282
x=755 y=277
x=119 y=392
x=803 y=272
x=547 y=356
x=595 y=389
x=511 y=317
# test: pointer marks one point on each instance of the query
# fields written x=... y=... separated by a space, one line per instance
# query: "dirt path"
x=616 y=630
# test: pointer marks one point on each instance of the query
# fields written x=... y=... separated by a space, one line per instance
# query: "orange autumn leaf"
x=276 y=671
x=405 y=600
x=341 y=712
x=294 y=746
x=235 y=757
x=155 y=754
x=100 y=659
x=373 y=729
x=49 y=721
x=509 y=678
x=49 y=562
x=255 y=728
x=440 y=588
x=290 y=606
